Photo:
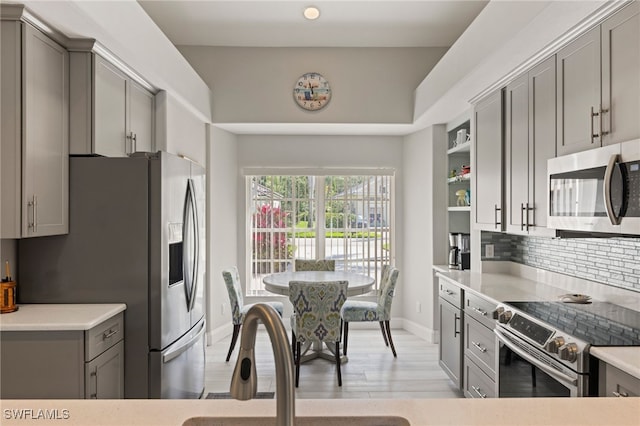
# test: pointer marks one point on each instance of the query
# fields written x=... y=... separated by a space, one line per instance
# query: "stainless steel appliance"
x=136 y=236
x=596 y=190
x=453 y=250
x=544 y=346
x=464 y=254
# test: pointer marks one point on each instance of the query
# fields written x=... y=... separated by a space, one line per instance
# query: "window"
x=345 y=218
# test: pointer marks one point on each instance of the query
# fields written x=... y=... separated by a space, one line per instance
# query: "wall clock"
x=312 y=91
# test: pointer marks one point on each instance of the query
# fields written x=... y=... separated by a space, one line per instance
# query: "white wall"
x=222 y=178
x=315 y=152
x=178 y=130
x=255 y=85
x=425 y=220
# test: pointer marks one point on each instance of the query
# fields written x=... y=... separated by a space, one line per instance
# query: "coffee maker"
x=464 y=251
x=453 y=250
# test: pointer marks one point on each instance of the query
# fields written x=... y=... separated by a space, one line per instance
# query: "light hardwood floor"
x=371 y=372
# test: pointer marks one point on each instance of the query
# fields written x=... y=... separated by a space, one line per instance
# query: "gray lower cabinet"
x=34 y=142
x=487 y=163
x=450 y=318
x=614 y=382
x=72 y=364
x=479 y=348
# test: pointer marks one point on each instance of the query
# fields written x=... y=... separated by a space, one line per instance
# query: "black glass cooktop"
x=598 y=323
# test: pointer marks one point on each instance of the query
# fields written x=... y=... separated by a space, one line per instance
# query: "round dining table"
x=358 y=284
x=279 y=283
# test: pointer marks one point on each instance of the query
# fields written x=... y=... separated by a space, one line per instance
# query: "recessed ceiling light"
x=311 y=13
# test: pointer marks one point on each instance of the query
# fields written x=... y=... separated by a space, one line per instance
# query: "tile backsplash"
x=611 y=261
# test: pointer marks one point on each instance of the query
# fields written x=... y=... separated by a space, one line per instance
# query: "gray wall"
x=222 y=180
x=425 y=223
x=611 y=261
x=255 y=85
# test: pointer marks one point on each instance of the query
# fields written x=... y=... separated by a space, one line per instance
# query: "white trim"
x=418 y=330
x=316 y=171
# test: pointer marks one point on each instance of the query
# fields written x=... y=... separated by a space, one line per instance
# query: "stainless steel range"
x=544 y=346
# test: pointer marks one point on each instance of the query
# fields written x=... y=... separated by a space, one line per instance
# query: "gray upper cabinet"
x=111 y=115
x=487 y=165
x=621 y=75
x=530 y=134
x=578 y=97
x=517 y=153
x=35 y=133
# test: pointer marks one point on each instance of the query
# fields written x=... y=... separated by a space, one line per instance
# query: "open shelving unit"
x=458 y=155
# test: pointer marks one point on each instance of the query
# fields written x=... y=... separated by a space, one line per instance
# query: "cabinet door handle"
x=34 y=207
x=480 y=311
x=455 y=326
x=598 y=114
x=134 y=143
x=478 y=391
x=480 y=348
x=94 y=379
x=496 y=209
x=108 y=334
x=601 y=116
x=620 y=394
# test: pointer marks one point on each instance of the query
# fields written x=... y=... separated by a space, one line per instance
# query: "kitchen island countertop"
x=59 y=317
x=422 y=412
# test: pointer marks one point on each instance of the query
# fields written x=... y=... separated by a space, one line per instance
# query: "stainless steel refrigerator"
x=136 y=236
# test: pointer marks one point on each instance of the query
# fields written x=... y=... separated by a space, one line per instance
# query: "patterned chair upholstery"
x=315 y=265
x=238 y=308
x=316 y=316
x=356 y=310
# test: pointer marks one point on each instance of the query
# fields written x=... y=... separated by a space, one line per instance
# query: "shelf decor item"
x=7 y=292
x=312 y=91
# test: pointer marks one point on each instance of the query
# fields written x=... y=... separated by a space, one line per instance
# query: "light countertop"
x=58 y=317
x=626 y=359
x=419 y=412
x=501 y=287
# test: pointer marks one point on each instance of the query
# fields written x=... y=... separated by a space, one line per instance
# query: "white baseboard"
x=421 y=331
x=219 y=333
x=431 y=336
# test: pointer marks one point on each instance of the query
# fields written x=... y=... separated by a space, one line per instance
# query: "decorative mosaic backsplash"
x=612 y=261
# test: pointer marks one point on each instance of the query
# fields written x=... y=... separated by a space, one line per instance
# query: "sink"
x=300 y=421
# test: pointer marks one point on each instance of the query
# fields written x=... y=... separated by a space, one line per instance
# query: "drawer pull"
x=449 y=292
x=480 y=394
x=108 y=334
x=480 y=348
x=480 y=311
x=620 y=394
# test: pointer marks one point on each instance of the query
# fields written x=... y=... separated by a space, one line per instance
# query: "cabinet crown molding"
x=591 y=21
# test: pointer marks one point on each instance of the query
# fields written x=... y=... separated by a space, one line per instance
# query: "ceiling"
x=354 y=23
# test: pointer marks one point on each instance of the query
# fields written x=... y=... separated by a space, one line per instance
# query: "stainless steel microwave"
x=596 y=190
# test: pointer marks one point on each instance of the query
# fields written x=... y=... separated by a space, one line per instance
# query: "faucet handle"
x=244 y=382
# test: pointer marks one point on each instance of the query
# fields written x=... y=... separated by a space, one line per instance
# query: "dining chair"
x=357 y=310
x=315 y=265
x=316 y=316
x=238 y=308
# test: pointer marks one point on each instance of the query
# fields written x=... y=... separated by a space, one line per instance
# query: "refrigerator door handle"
x=179 y=350
x=189 y=237
x=196 y=245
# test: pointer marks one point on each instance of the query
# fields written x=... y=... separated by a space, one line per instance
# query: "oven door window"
x=520 y=379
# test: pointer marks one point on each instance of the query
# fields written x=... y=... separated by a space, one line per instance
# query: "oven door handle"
x=563 y=378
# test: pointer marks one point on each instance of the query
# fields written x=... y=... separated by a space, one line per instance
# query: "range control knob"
x=504 y=317
x=497 y=312
x=569 y=352
x=554 y=345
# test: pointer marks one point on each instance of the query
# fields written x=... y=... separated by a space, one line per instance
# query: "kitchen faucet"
x=244 y=382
